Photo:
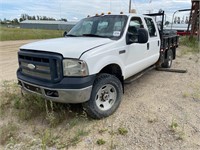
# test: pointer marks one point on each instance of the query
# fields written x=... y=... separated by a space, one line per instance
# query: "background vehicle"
x=91 y=63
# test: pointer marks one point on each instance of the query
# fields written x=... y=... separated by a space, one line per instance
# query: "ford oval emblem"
x=31 y=66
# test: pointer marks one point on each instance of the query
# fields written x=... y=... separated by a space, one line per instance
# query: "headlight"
x=73 y=67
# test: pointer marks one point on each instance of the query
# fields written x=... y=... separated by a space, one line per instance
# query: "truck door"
x=154 y=40
x=137 y=54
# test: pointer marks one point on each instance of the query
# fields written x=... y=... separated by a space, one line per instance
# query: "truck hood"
x=69 y=47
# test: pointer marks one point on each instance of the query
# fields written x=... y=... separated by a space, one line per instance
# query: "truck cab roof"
x=124 y=14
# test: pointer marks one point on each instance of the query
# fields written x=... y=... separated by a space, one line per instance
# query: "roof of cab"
x=124 y=14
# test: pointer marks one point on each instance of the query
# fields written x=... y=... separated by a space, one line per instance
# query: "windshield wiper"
x=94 y=35
x=71 y=35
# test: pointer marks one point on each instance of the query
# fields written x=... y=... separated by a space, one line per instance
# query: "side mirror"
x=129 y=38
x=142 y=36
x=65 y=33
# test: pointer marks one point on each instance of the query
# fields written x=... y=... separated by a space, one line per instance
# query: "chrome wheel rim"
x=106 y=97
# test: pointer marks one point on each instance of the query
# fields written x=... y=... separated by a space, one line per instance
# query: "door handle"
x=147 y=46
x=122 y=51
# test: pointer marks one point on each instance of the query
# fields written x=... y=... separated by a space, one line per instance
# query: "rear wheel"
x=168 y=61
x=105 y=97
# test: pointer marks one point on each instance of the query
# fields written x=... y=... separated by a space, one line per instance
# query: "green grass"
x=192 y=43
x=78 y=137
x=8 y=132
x=122 y=131
x=27 y=107
x=7 y=34
x=101 y=141
x=30 y=109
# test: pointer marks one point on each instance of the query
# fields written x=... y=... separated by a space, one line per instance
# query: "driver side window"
x=134 y=25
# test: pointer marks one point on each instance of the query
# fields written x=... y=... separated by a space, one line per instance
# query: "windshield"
x=110 y=26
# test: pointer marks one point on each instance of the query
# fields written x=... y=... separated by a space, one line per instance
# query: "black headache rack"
x=43 y=66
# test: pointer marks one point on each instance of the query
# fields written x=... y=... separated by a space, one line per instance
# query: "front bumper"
x=67 y=90
x=58 y=95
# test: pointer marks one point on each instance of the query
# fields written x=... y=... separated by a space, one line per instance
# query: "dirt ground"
x=8 y=58
x=160 y=110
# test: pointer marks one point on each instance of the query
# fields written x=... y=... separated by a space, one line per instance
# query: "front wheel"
x=168 y=61
x=105 y=97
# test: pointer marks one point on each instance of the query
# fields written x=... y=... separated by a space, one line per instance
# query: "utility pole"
x=129 y=6
x=194 y=19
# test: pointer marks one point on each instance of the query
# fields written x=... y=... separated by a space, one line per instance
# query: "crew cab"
x=94 y=59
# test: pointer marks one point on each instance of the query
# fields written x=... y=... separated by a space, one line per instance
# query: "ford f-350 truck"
x=90 y=64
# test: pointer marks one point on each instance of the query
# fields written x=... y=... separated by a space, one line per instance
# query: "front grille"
x=40 y=65
x=36 y=74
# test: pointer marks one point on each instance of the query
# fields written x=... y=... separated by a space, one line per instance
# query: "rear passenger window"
x=151 y=27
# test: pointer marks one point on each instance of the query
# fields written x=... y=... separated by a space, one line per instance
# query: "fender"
x=95 y=68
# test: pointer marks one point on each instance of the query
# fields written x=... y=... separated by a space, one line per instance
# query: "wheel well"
x=115 y=70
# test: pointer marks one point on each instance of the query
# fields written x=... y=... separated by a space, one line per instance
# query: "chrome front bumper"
x=58 y=95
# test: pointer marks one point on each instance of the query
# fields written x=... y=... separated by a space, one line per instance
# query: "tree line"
x=23 y=17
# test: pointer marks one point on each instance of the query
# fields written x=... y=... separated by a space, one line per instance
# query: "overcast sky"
x=78 y=9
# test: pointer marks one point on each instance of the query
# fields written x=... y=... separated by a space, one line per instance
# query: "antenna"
x=110 y=5
x=60 y=10
x=149 y=4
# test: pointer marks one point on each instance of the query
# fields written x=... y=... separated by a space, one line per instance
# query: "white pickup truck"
x=90 y=64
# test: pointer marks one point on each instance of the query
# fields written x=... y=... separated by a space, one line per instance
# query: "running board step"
x=138 y=75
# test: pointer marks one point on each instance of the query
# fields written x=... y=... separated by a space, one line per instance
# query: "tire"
x=168 y=61
x=105 y=97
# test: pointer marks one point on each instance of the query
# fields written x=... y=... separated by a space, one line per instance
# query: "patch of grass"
x=101 y=141
x=77 y=137
x=122 y=131
x=173 y=125
x=103 y=131
x=112 y=133
x=177 y=130
x=53 y=116
x=192 y=44
x=30 y=106
x=152 y=118
x=8 y=132
x=73 y=122
x=25 y=34
x=48 y=139
x=181 y=135
x=186 y=94
x=9 y=94
x=195 y=94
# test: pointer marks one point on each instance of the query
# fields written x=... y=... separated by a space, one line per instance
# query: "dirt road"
x=161 y=110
